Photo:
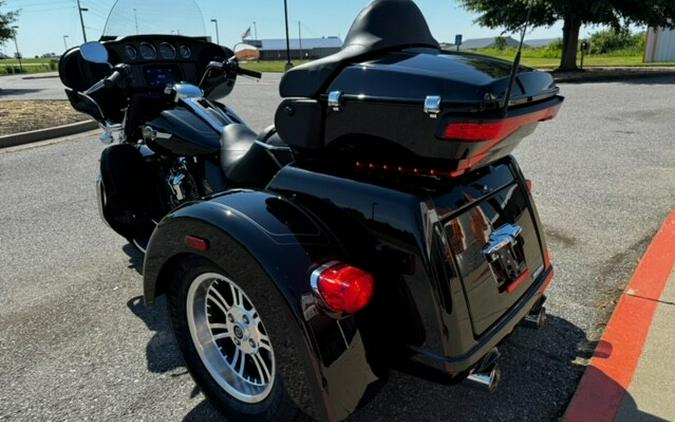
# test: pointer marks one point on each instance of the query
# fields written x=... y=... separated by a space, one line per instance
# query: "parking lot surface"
x=38 y=87
x=76 y=342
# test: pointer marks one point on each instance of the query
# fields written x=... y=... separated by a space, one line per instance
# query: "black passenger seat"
x=383 y=25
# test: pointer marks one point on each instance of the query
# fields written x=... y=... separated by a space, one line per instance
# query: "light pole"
x=288 y=40
x=65 y=42
x=81 y=9
x=16 y=45
x=215 y=22
x=136 y=20
x=255 y=30
x=300 y=39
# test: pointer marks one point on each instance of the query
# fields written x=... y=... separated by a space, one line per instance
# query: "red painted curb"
x=604 y=384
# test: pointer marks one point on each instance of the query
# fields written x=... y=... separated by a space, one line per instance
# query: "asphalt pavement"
x=76 y=342
x=48 y=86
x=44 y=86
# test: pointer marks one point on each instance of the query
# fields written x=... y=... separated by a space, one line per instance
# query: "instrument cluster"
x=147 y=51
x=159 y=60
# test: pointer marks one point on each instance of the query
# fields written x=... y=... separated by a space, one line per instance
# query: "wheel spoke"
x=261 y=374
x=237 y=297
x=235 y=357
x=218 y=327
x=225 y=334
x=265 y=344
x=242 y=363
x=217 y=303
x=261 y=365
x=219 y=296
x=264 y=339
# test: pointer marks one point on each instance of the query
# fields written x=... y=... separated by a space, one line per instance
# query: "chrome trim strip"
x=214 y=117
x=537 y=272
x=185 y=91
x=139 y=247
x=342 y=333
x=269 y=150
x=272 y=147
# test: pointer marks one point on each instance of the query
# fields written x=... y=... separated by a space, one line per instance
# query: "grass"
x=11 y=66
x=548 y=59
x=26 y=61
x=275 y=66
x=22 y=116
x=539 y=58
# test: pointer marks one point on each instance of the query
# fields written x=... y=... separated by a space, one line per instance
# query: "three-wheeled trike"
x=380 y=224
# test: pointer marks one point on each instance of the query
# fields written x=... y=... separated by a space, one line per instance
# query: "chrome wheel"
x=230 y=337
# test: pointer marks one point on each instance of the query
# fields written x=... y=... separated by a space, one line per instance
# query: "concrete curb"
x=44 y=134
x=606 y=381
x=40 y=77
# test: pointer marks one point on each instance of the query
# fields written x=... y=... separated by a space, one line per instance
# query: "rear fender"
x=288 y=244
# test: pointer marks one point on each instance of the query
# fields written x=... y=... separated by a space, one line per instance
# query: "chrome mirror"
x=94 y=52
x=246 y=52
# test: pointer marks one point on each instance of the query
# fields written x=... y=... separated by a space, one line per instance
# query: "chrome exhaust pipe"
x=535 y=319
x=487 y=375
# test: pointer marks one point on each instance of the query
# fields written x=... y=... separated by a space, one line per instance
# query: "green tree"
x=511 y=15
x=6 y=20
x=609 y=41
x=500 y=43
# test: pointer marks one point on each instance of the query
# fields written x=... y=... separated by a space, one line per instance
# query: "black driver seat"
x=382 y=25
x=249 y=159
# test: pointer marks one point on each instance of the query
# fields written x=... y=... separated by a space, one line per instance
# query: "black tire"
x=278 y=406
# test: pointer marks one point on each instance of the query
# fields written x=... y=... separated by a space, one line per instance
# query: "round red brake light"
x=343 y=288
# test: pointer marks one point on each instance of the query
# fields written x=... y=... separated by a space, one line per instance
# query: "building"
x=541 y=42
x=301 y=49
x=660 y=46
x=478 y=43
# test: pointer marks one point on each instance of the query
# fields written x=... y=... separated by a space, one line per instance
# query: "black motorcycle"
x=380 y=224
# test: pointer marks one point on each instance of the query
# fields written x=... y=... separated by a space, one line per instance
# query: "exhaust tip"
x=536 y=319
x=486 y=380
x=487 y=374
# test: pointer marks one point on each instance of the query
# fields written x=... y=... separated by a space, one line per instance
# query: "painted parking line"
x=605 y=382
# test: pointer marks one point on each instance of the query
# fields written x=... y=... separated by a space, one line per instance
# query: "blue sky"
x=43 y=23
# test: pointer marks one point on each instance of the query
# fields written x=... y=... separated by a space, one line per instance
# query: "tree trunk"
x=571 y=30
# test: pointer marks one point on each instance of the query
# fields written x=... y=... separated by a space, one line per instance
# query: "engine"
x=181 y=184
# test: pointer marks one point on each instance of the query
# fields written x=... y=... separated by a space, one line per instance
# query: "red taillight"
x=343 y=288
x=196 y=243
x=528 y=183
x=547 y=258
x=494 y=130
x=384 y=168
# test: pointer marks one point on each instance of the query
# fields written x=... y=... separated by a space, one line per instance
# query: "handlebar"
x=228 y=67
x=118 y=78
x=251 y=73
x=114 y=79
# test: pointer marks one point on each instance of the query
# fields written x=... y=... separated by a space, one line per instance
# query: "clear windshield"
x=156 y=17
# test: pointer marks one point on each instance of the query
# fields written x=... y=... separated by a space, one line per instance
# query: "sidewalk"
x=651 y=394
x=632 y=374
